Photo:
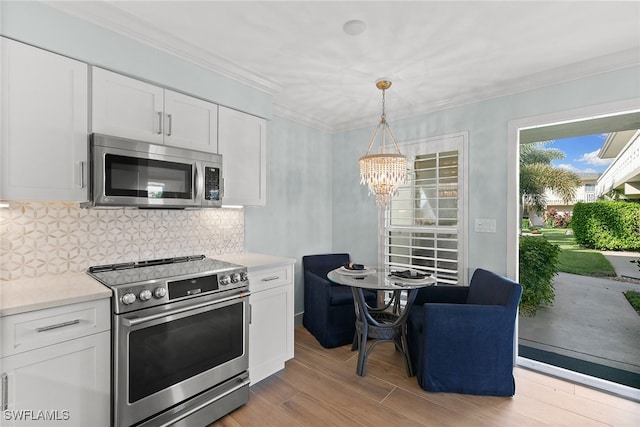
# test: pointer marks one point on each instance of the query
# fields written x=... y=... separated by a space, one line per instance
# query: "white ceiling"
x=437 y=53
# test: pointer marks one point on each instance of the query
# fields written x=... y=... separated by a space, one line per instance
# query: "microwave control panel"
x=211 y=183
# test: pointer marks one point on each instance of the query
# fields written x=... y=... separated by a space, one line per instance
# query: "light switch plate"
x=485 y=225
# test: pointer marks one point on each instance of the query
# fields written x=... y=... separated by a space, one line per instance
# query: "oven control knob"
x=235 y=278
x=244 y=276
x=145 y=295
x=128 y=298
x=225 y=280
x=159 y=292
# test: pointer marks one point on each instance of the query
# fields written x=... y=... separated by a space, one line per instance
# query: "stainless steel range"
x=180 y=340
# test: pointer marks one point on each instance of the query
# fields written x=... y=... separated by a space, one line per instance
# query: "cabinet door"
x=126 y=107
x=68 y=382
x=270 y=331
x=190 y=122
x=44 y=124
x=242 y=143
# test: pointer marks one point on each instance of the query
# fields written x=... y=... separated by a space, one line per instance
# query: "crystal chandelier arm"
x=375 y=134
x=393 y=138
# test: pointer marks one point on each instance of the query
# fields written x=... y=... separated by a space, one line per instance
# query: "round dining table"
x=386 y=321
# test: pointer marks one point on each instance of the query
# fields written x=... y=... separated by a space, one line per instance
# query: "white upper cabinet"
x=44 y=125
x=242 y=143
x=130 y=108
x=190 y=122
x=126 y=107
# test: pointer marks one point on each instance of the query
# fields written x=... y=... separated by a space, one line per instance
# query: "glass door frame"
x=515 y=128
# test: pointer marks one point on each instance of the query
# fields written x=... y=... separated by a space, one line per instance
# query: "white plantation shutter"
x=424 y=224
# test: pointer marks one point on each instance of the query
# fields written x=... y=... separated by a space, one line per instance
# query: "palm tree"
x=537 y=174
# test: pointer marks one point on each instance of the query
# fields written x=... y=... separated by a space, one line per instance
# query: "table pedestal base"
x=383 y=325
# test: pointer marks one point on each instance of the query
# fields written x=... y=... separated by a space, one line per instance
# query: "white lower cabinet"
x=271 y=328
x=56 y=366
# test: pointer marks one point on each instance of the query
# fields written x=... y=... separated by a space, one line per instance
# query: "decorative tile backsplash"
x=41 y=238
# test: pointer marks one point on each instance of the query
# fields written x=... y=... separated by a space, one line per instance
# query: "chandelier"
x=383 y=172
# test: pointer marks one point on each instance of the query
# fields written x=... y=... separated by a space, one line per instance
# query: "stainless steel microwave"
x=130 y=173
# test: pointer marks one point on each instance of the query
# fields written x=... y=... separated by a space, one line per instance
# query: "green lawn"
x=634 y=299
x=576 y=260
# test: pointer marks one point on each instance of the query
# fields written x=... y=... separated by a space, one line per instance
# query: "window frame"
x=424 y=146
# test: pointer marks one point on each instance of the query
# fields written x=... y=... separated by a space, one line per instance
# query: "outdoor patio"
x=590 y=328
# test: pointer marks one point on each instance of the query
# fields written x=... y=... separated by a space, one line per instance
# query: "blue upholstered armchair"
x=461 y=338
x=329 y=313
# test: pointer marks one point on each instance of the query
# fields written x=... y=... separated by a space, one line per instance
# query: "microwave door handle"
x=196 y=185
x=199 y=183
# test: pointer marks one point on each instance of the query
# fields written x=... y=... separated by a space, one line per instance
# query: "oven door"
x=168 y=354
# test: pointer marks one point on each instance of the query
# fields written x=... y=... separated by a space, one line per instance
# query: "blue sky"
x=581 y=153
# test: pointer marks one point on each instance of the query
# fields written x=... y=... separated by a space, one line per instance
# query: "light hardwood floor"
x=319 y=387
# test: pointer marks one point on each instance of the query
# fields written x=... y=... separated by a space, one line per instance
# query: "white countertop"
x=19 y=296
x=253 y=260
x=23 y=295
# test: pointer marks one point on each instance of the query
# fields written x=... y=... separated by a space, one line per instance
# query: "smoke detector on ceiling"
x=354 y=27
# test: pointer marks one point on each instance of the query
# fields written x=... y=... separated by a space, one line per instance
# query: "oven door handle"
x=138 y=320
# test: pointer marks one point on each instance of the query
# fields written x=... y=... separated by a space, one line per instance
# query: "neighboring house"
x=623 y=175
x=585 y=193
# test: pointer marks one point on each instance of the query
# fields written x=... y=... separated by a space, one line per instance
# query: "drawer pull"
x=5 y=392
x=58 y=325
x=268 y=279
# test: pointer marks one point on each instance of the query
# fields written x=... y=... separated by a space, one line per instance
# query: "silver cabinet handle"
x=268 y=279
x=159 y=122
x=169 y=125
x=58 y=325
x=82 y=183
x=5 y=392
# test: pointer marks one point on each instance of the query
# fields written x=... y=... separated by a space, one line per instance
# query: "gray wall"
x=297 y=218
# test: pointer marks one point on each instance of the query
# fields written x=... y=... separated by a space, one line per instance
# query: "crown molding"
x=297 y=116
x=579 y=70
x=110 y=17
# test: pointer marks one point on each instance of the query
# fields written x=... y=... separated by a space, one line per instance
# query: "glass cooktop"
x=159 y=269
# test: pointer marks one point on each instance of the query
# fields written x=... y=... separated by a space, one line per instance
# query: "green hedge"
x=538 y=265
x=607 y=225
